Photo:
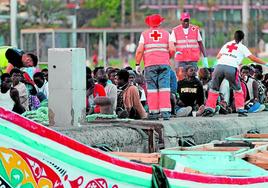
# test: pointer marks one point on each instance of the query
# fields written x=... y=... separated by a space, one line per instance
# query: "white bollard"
x=67 y=86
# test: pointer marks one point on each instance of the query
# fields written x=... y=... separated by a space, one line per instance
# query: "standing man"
x=156 y=48
x=229 y=58
x=188 y=43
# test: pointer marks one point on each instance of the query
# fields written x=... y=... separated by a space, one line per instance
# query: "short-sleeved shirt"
x=186 y=31
x=232 y=54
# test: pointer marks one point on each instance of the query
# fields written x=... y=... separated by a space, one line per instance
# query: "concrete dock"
x=150 y=136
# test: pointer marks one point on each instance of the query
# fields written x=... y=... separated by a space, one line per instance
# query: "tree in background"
x=46 y=13
x=108 y=12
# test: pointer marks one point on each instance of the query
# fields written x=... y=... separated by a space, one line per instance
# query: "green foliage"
x=196 y=22
x=100 y=21
x=103 y=5
x=108 y=12
x=46 y=13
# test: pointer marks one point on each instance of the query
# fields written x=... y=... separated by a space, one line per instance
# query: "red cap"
x=185 y=15
x=154 y=20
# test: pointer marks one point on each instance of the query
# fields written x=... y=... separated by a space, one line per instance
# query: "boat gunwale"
x=73 y=144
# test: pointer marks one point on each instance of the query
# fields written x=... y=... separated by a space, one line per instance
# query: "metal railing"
x=39 y=41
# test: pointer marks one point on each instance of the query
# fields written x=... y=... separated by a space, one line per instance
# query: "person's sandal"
x=208 y=113
x=242 y=113
x=123 y=114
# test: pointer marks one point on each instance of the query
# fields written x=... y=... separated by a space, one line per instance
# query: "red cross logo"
x=155 y=35
x=232 y=47
x=193 y=28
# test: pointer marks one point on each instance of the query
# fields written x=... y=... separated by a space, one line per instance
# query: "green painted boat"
x=213 y=160
x=33 y=156
x=252 y=138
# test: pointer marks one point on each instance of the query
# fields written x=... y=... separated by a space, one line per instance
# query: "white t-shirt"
x=232 y=54
x=130 y=48
x=23 y=93
x=142 y=39
x=186 y=31
x=44 y=89
x=111 y=92
x=6 y=101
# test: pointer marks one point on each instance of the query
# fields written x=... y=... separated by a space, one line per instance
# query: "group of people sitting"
x=20 y=93
x=23 y=86
x=123 y=92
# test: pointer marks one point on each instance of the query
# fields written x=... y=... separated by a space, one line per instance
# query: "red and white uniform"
x=157 y=68
x=232 y=54
x=186 y=42
x=155 y=47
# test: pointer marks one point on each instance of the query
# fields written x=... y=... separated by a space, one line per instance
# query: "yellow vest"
x=3 y=59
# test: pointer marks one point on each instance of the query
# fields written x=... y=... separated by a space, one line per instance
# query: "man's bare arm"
x=256 y=60
x=139 y=53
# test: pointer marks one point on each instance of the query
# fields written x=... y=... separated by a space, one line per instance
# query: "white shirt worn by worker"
x=232 y=54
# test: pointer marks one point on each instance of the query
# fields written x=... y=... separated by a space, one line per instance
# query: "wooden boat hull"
x=249 y=138
x=32 y=155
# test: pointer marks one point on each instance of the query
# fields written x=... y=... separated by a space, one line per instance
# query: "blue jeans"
x=158 y=86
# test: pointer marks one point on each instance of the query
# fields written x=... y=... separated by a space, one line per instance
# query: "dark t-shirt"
x=14 y=57
x=191 y=92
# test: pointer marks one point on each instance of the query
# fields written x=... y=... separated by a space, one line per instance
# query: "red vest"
x=187 y=44
x=156 y=47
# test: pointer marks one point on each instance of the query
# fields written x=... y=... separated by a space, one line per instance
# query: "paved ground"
x=203 y=130
x=200 y=130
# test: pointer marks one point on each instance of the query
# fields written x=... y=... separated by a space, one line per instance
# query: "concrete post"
x=105 y=49
x=67 y=86
x=74 y=27
x=245 y=19
x=13 y=22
